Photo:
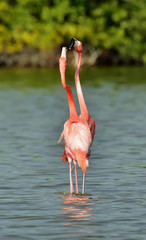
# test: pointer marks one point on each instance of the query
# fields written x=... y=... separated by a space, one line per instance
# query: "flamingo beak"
x=72 y=43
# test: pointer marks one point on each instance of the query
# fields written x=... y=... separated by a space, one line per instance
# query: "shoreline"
x=36 y=58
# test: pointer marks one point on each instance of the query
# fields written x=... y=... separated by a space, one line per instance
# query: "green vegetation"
x=115 y=25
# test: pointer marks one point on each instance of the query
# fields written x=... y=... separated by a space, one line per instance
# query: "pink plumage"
x=77 y=138
x=78 y=132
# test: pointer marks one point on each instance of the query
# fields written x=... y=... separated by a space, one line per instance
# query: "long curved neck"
x=71 y=103
x=83 y=107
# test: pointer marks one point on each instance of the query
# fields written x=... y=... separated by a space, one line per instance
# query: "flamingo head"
x=76 y=44
x=63 y=52
x=62 y=63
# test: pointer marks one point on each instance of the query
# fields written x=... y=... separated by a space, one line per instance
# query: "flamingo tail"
x=61 y=137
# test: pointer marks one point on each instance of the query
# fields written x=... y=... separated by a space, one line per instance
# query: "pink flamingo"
x=84 y=111
x=76 y=133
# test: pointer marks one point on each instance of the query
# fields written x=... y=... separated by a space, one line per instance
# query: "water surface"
x=34 y=184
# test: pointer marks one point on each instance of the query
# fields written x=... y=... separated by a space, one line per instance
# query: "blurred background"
x=32 y=31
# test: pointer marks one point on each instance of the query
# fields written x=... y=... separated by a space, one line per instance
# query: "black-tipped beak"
x=71 y=43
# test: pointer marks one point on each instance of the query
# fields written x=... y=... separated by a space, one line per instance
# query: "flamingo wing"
x=91 y=124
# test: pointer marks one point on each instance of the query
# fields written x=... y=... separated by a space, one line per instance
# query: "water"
x=34 y=185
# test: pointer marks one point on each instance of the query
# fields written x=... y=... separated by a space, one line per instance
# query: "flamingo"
x=84 y=111
x=76 y=133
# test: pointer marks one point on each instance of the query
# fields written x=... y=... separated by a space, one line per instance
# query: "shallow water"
x=34 y=185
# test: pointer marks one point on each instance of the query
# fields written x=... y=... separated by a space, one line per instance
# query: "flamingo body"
x=77 y=137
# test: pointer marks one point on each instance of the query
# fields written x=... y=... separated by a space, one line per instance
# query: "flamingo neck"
x=83 y=107
x=71 y=103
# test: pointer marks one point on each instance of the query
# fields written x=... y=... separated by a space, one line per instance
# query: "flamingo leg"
x=70 y=177
x=76 y=178
x=83 y=186
x=72 y=168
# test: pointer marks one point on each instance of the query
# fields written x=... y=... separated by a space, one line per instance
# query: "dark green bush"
x=118 y=25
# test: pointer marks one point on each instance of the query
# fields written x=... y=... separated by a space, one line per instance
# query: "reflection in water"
x=77 y=208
